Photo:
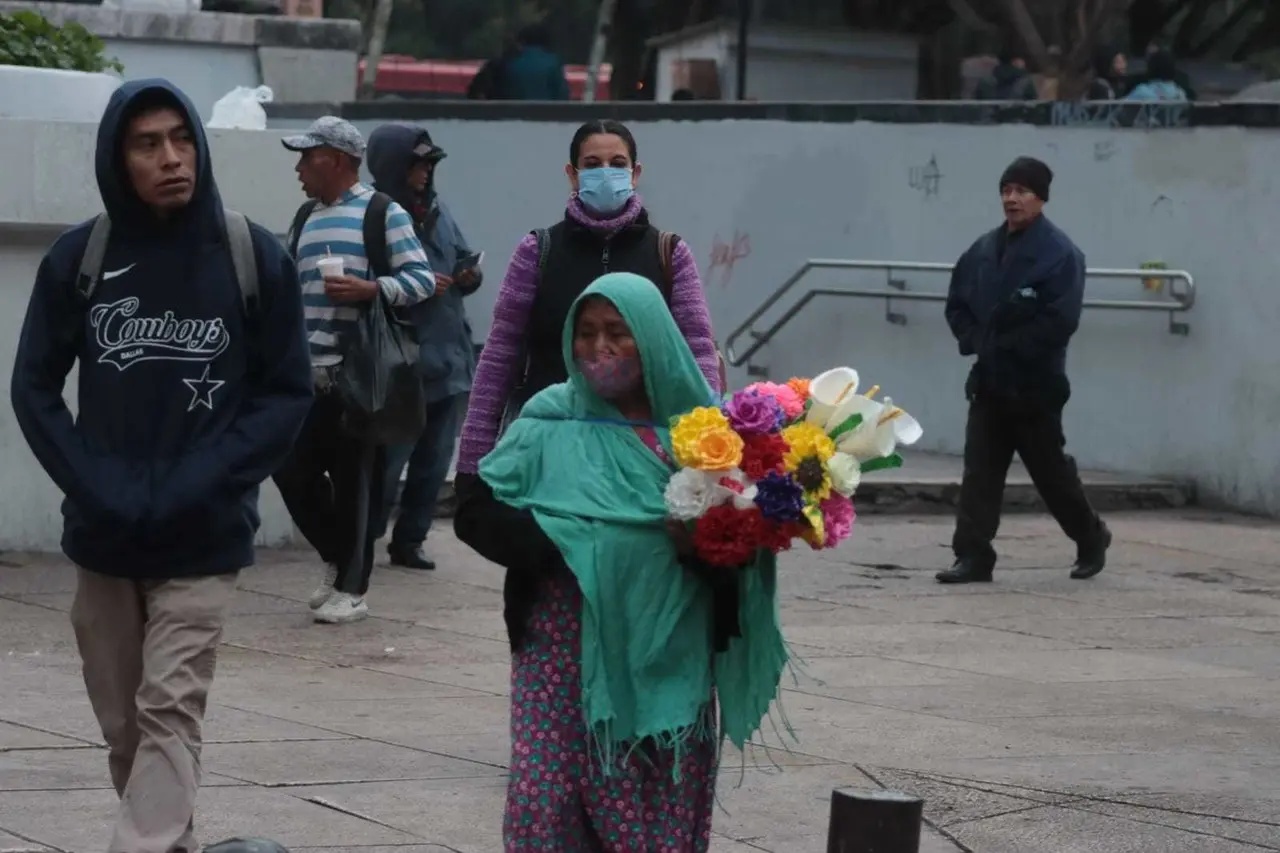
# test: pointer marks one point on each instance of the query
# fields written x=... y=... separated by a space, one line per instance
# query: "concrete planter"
x=53 y=95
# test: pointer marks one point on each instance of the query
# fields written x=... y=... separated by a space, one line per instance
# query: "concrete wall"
x=756 y=198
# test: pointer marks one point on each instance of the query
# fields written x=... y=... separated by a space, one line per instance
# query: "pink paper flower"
x=837 y=519
x=792 y=403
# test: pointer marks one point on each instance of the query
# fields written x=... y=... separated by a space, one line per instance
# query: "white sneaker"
x=325 y=589
x=342 y=607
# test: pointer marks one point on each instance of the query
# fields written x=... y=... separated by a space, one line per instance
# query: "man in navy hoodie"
x=190 y=395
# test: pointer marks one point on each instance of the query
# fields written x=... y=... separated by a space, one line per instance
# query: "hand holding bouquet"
x=776 y=463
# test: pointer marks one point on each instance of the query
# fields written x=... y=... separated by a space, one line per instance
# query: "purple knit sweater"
x=499 y=370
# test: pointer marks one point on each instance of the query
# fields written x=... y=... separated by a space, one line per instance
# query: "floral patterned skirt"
x=559 y=800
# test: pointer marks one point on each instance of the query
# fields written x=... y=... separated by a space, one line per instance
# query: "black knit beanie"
x=1030 y=173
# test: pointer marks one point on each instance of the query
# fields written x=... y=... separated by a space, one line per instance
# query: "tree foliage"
x=1229 y=29
x=28 y=39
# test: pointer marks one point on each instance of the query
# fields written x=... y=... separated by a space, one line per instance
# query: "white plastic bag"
x=242 y=108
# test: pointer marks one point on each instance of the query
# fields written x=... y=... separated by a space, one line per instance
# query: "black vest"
x=577 y=256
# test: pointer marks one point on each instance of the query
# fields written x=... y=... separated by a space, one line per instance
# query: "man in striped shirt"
x=331 y=483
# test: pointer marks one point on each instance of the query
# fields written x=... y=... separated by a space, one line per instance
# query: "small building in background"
x=786 y=62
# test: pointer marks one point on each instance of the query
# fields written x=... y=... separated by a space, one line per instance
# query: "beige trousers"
x=149 y=649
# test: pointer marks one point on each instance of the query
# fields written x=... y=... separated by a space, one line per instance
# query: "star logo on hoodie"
x=202 y=390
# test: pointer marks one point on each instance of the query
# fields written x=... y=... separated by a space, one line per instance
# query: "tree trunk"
x=377 y=33
x=599 y=41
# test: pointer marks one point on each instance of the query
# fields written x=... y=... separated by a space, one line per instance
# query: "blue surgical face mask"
x=604 y=190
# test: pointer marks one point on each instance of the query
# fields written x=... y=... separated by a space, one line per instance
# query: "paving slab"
x=13 y=844
x=1134 y=712
x=1070 y=830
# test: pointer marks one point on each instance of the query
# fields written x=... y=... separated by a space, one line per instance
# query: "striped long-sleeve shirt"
x=499 y=368
x=338 y=229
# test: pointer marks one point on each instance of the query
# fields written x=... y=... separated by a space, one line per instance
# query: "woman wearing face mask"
x=630 y=659
x=605 y=229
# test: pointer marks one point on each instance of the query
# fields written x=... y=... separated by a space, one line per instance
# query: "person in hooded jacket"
x=403 y=159
x=534 y=72
x=188 y=399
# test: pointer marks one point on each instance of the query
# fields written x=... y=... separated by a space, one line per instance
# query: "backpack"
x=374 y=226
x=666 y=253
x=239 y=241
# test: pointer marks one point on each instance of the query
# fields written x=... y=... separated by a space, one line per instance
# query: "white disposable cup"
x=330 y=267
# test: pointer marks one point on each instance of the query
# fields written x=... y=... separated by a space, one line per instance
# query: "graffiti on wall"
x=725 y=256
x=1144 y=114
x=925 y=179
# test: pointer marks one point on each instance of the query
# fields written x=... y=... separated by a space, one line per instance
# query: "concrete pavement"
x=1134 y=712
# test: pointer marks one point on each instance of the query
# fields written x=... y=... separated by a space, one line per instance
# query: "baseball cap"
x=427 y=150
x=328 y=132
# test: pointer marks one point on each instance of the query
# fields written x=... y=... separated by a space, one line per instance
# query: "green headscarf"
x=595 y=488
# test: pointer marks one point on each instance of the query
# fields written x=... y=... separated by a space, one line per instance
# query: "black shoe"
x=1092 y=559
x=410 y=558
x=965 y=571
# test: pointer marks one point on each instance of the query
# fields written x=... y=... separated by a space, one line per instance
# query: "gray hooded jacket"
x=446 y=352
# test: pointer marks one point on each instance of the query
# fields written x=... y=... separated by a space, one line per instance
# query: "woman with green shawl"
x=630 y=660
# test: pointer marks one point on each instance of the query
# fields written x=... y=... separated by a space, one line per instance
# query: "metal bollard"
x=874 y=822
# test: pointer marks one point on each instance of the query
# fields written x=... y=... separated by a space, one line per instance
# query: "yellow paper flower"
x=816 y=535
x=804 y=440
x=702 y=439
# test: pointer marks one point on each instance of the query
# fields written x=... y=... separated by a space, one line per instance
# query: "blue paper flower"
x=780 y=498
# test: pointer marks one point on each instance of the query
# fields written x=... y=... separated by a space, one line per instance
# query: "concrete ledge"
x=889 y=497
x=199 y=27
x=1140 y=116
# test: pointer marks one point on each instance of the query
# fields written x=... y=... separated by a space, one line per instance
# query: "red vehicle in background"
x=447 y=79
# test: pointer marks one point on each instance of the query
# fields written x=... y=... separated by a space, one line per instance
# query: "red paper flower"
x=727 y=536
x=779 y=537
x=762 y=454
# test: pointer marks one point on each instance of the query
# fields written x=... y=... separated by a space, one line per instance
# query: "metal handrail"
x=1181 y=298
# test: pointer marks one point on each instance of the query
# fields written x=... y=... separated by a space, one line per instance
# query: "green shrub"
x=27 y=39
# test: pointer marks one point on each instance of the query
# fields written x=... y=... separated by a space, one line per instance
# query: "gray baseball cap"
x=328 y=132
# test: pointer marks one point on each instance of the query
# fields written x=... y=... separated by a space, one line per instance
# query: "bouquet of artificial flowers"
x=780 y=462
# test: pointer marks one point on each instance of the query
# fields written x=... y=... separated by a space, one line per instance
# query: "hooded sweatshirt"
x=446 y=352
x=186 y=401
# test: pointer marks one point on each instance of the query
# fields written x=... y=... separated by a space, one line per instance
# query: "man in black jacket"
x=193 y=384
x=1014 y=302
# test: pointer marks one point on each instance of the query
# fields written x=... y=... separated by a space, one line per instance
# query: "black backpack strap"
x=295 y=230
x=375 y=235
x=91 y=261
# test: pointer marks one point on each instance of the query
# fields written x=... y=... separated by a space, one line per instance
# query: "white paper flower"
x=883 y=427
x=845 y=473
x=691 y=492
x=744 y=499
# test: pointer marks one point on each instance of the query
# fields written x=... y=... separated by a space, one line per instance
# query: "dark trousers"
x=428 y=460
x=997 y=428
x=332 y=486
